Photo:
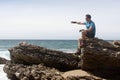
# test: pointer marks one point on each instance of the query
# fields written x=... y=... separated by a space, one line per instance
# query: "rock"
x=30 y=62
x=117 y=43
x=102 y=56
x=33 y=72
x=41 y=72
x=31 y=54
x=81 y=78
x=79 y=74
x=3 y=60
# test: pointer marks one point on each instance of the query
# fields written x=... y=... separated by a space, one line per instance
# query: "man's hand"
x=74 y=22
x=81 y=30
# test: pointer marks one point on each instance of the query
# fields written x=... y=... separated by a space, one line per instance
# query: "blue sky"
x=50 y=19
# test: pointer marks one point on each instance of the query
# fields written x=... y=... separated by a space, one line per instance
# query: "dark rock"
x=3 y=60
x=31 y=54
x=100 y=54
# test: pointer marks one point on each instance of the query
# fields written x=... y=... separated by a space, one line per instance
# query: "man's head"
x=88 y=17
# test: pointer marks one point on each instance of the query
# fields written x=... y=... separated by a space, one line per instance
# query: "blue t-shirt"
x=91 y=24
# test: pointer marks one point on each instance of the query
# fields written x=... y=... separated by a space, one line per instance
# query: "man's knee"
x=83 y=33
x=80 y=39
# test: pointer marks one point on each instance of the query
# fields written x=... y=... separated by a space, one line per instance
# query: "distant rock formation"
x=3 y=60
x=31 y=62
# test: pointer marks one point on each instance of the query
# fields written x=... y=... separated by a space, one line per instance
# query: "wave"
x=5 y=54
x=68 y=50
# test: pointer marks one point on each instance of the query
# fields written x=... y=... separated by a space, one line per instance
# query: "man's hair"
x=88 y=16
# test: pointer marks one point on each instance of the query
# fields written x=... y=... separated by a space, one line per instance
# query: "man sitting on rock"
x=88 y=33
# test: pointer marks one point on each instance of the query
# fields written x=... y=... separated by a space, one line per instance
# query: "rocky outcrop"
x=117 y=43
x=3 y=60
x=100 y=54
x=31 y=54
x=39 y=72
x=33 y=72
x=31 y=62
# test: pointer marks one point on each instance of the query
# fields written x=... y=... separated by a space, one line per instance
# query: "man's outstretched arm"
x=80 y=23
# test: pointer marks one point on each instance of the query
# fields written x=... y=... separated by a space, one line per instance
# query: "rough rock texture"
x=30 y=62
x=3 y=60
x=100 y=54
x=39 y=72
x=33 y=72
x=32 y=54
x=82 y=78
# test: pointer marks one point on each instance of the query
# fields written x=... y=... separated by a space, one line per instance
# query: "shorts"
x=90 y=35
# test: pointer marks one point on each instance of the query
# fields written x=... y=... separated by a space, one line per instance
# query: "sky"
x=50 y=19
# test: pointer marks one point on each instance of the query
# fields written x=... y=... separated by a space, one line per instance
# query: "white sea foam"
x=2 y=73
x=5 y=54
x=67 y=50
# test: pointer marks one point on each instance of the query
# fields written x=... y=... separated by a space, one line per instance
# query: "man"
x=88 y=33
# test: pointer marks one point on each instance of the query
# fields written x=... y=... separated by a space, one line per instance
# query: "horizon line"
x=50 y=39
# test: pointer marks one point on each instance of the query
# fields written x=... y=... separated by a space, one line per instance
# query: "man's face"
x=87 y=19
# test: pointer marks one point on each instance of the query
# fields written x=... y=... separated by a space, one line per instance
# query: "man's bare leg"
x=81 y=42
x=84 y=35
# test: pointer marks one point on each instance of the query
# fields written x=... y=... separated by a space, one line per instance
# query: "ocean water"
x=62 y=45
